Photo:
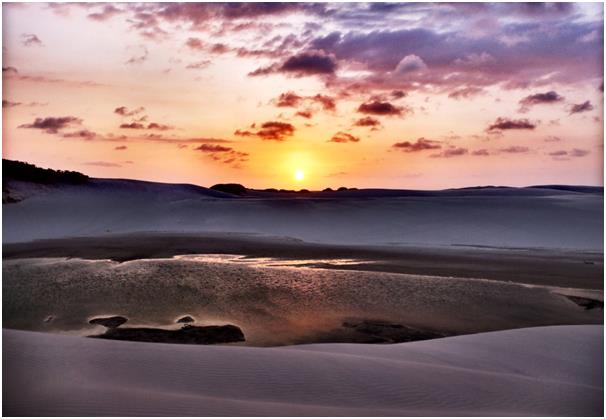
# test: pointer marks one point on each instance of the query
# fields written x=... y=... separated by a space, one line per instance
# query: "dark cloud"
x=576 y=152
x=515 y=149
x=398 y=94
x=120 y=147
x=308 y=63
x=539 y=98
x=421 y=144
x=9 y=70
x=53 y=125
x=271 y=130
x=29 y=40
x=368 y=121
x=123 y=111
x=381 y=108
x=213 y=148
x=9 y=104
x=451 y=152
x=343 y=137
x=581 y=107
x=502 y=124
x=132 y=125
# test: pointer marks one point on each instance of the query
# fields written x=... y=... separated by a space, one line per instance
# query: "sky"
x=308 y=95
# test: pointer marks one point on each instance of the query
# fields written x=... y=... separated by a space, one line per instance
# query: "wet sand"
x=553 y=267
x=306 y=293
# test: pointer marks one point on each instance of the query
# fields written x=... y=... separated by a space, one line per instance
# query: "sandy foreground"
x=555 y=370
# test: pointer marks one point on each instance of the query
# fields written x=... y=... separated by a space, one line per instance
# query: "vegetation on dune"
x=16 y=170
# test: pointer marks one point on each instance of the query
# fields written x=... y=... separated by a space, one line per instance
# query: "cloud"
x=288 y=99
x=398 y=94
x=195 y=44
x=304 y=114
x=381 y=108
x=293 y=100
x=53 y=125
x=328 y=103
x=552 y=139
x=368 y=121
x=199 y=65
x=502 y=124
x=308 y=63
x=123 y=111
x=150 y=126
x=82 y=134
x=31 y=40
x=565 y=154
x=581 y=107
x=213 y=148
x=223 y=154
x=132 y=125
x=576 y=152
x=140 y=58
x=343 y=137
x=102 y=164
x=159 y=127
x=421 y=144
x=9 y=70
x=539 y=98
x=410 y=64
x=120 y=147
x=271 y=130
x=108 y=12
x=480 y=152
x=9 y=104
x=451 y=152
x=515 y=149
x=465 y=92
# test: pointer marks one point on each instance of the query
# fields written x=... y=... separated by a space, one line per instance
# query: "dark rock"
x=186 y=319
x=199 y=335
x=586 y=303
x=109 y=322
x=378 y=331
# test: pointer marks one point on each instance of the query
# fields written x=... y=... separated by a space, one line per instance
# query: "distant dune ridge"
x=554 y=216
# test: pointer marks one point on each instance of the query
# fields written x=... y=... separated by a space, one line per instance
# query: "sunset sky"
x=308 y=95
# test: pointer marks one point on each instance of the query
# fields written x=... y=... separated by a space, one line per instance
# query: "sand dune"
x=538 y=371
x=511 y=217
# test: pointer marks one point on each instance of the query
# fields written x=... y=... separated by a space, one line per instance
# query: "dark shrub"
x=231 y=188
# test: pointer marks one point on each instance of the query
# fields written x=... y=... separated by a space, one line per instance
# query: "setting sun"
x=299 y=175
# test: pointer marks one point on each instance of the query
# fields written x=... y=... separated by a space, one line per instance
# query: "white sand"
x=538 y=371
x=507 y=217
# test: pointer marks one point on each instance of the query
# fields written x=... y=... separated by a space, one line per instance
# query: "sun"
x=299 y=175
